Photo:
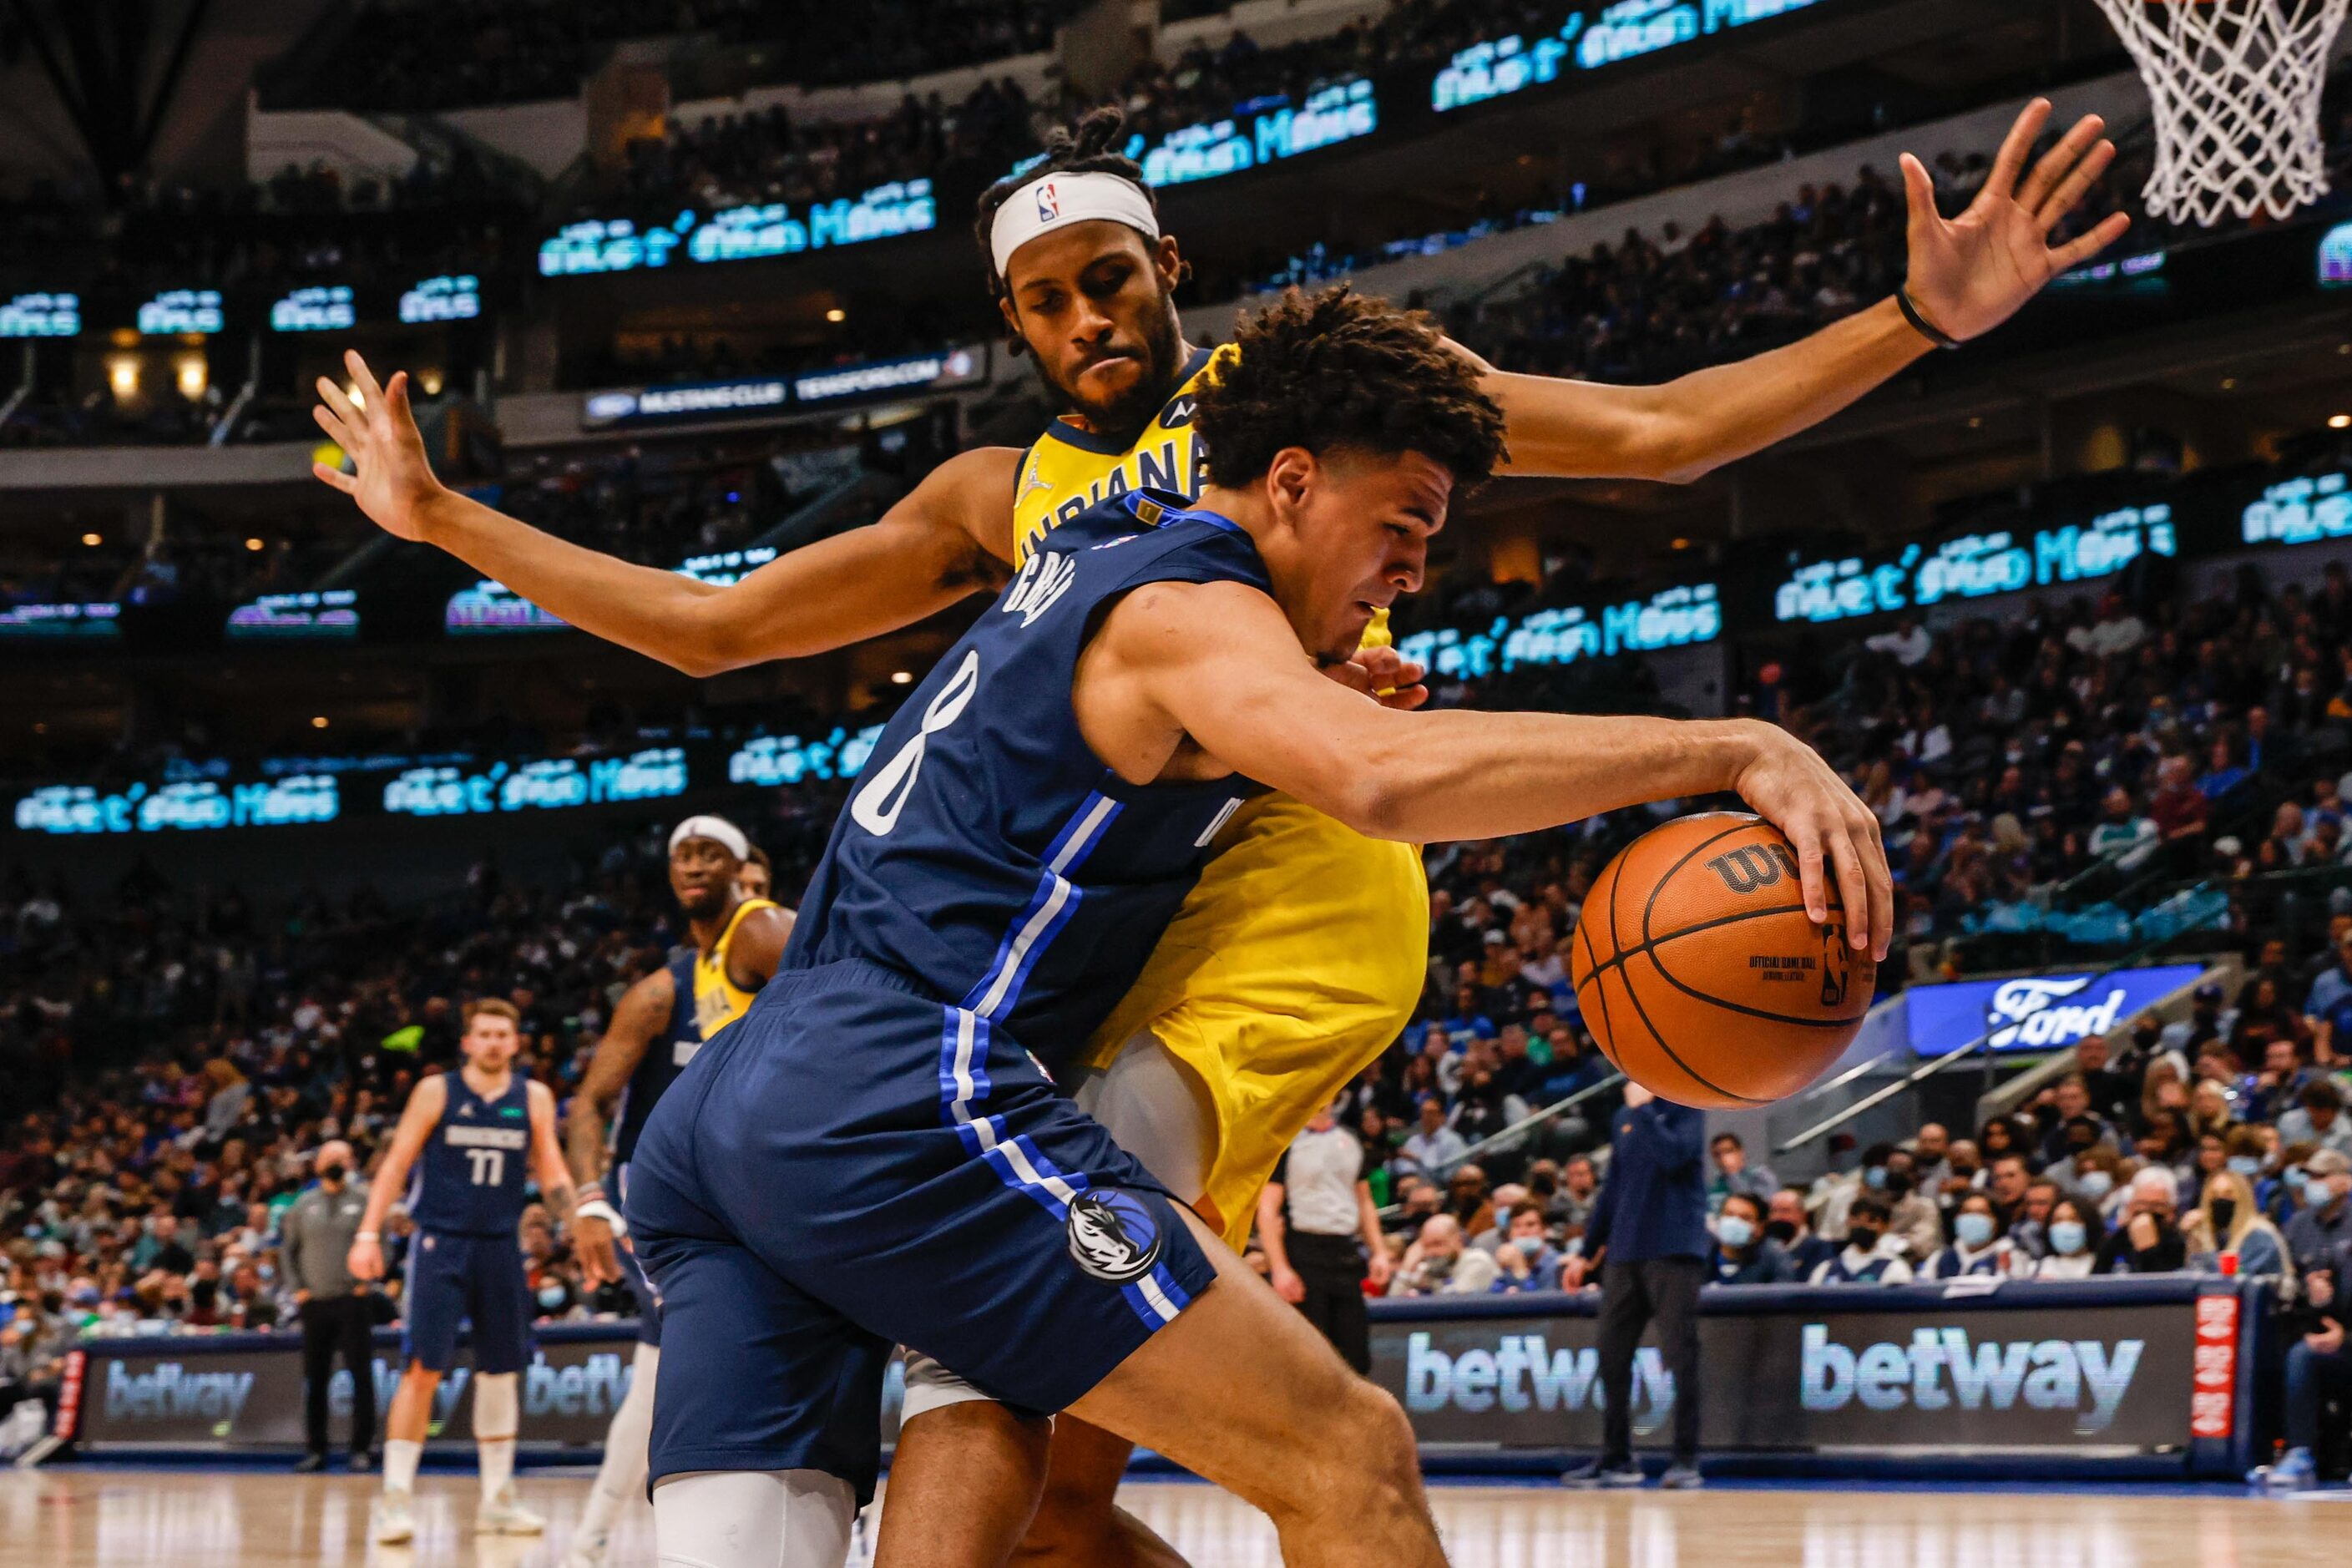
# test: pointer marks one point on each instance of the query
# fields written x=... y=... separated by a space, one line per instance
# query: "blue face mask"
x=1973 y=1229
x=1528 y=1246
x=2068 y=1238
x=1874 y=1178
x=1734 y=1231
x=2096 y=1183
x=551 y=1296
x=2249 y=1167
x=2296 y=1182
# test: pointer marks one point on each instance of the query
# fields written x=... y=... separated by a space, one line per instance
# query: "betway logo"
x=1524 y=1373
x=1941 y=1367
x=170 y=1390
x=596 y=1388
x=2032 y=1010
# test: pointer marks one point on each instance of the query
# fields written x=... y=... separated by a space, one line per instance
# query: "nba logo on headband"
x=1049 y=205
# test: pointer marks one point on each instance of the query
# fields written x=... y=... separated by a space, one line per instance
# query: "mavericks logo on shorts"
x=1113 y=1236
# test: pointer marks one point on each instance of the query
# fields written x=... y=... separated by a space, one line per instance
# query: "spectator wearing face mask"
x=1437 y=1264
x=1525 y=1254
x=1785 y=1226
x=1744 y=1254
x=2324 y=1227
x=1976 y=1246
x=1833 y=1205
x=2074 y=1237
x=2226 y=1221
x=1870 y=1256
x=1963 y=1169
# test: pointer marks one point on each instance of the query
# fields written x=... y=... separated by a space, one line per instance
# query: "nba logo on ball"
x=1112 y=1235
x=1049 y=205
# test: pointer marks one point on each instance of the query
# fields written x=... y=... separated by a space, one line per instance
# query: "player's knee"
x=1367 y=1463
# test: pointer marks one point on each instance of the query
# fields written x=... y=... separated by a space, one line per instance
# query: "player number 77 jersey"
x=469 y=1180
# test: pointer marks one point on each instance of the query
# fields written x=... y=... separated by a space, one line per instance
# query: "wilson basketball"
x=1699 y=973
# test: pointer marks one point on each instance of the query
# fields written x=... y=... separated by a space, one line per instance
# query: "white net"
x=2236 y=86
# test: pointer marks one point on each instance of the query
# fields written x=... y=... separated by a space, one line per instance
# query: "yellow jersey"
x=1302 y=951
x=717 y=1000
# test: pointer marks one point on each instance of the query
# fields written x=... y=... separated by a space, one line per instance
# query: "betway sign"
x=1807 y=1373
x=2036 y=1012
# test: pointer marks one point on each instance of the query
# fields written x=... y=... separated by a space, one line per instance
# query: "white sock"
x=401 y=1456
x=498 y=1416
x=498 y=1465
x=752 y=1518
x=624 y=1469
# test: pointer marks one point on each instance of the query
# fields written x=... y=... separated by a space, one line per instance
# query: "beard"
x=1123 y=417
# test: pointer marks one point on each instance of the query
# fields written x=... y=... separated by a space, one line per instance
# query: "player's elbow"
x=1375 y=804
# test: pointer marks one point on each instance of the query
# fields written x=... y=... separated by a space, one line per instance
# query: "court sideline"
x=114 y=1516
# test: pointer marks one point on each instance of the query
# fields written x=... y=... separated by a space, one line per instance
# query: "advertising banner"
x=2149 y=1369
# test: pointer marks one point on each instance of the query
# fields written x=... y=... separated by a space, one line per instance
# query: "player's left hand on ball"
x=1834 y=835
x=1384 y=675
x=1971 y=273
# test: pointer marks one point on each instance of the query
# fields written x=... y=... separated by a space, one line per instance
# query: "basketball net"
x=2236 y=86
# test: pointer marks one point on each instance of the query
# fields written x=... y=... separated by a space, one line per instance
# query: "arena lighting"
x=2340 y=422
x=837 y=315
x=123 y=377
x=253 y=545
x=902 y=677
x=93 y=540
x=191 y=375
x=429 y=383
x=319 y=721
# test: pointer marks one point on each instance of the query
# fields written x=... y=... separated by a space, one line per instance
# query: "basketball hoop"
x=2236 y=86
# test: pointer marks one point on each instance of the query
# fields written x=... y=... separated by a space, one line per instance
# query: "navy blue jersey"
x=665 y=1057
x=985 y=852
x=470 y=1177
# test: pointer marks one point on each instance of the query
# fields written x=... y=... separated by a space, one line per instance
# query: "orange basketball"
x=1701 y=977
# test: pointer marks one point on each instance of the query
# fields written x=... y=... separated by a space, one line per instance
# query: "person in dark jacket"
x=1744 y=1255
x=1650 y=1229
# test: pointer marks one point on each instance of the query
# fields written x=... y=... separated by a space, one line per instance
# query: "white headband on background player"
x=717 y=829
x=1054 y=200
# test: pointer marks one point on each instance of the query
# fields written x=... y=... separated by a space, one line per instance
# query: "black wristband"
x=1927 y=329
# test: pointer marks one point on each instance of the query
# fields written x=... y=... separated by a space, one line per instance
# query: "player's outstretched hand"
x=1833 y=833
x=392 y=479
x=1385 y=675
x=1971 y=273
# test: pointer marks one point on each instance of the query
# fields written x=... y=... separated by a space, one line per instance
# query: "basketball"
x=1699 y=973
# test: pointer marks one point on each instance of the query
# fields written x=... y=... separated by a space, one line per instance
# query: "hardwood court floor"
x=117 y=1517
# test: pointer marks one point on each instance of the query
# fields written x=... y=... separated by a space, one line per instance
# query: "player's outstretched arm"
x=425 y=1104
x=941 y=542
x=1253 y=700
x=638 y=1018
x=1967 y=276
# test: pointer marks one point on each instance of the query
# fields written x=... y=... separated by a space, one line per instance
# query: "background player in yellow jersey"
x=1090 y=294
x=659 y=1024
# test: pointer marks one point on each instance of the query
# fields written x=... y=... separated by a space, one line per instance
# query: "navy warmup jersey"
x=469 y=1180
x=663 y=1060
x=986 y=853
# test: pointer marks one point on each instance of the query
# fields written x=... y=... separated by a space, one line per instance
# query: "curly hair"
x=1086 y=148
x=1338 y=370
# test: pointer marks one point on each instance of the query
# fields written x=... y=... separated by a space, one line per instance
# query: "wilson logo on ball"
x=1753 y=866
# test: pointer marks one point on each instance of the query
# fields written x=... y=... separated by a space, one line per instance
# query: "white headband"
x=1053 y=200
x=717 y=829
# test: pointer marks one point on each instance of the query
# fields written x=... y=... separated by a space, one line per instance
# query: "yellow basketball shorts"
x=1297 y=959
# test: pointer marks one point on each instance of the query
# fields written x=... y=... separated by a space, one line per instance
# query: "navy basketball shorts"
x=852 y=1167
x=456 y=1279
x=633 y=1273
